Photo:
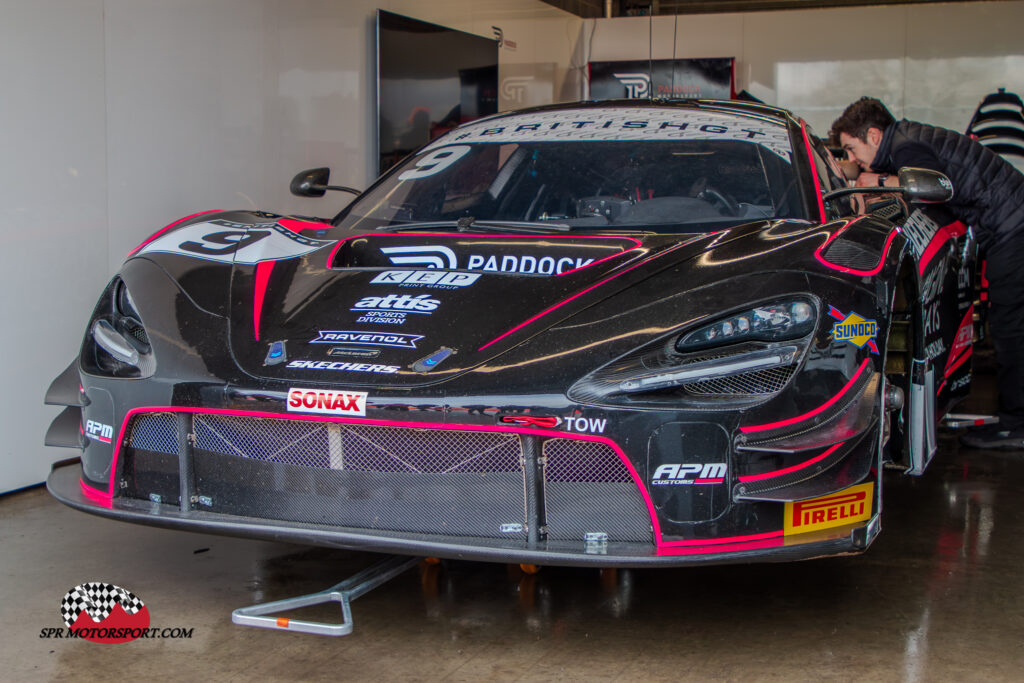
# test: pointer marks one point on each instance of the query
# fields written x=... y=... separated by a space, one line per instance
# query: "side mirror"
x=924 y=186
x=313 y=183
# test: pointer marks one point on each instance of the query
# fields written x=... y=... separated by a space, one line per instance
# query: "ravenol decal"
x=854 y=329
x=396 y=339
x=839 y=509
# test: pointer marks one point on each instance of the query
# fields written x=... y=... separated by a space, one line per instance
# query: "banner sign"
x=665 y=78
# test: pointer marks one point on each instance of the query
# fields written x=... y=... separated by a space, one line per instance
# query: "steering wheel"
x=722 y=201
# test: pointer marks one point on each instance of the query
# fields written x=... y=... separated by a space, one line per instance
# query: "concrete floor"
x=937 y=597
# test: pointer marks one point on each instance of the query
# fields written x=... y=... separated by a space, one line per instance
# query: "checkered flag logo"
x=97 y=600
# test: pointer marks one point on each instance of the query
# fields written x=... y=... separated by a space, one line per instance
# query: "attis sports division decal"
x=854 y=329
x=839 y=509
x=325 y=401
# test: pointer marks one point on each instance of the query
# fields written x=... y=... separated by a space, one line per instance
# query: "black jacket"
x=988 y=192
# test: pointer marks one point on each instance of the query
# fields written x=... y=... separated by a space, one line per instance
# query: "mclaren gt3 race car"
x=620 y=333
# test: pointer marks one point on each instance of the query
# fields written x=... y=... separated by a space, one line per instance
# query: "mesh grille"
x=155 y=432
x=851 y=255
x=390 y=478
x=755 y=383
x=588 y=490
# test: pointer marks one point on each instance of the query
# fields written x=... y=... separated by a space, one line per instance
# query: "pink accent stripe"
x=959 y=361
x=298 y=226
x=577 y=295
x=724 y=539
x=942 y=235
x=392 y=423
x=263 y=270
x=730 y=548
x=708 y=481
x=163 y=230
x=96 y=495
x=854 y=271
x=941 y=387
x=814 y=170
x=635 y=241
x=812 y=413
x=794 y=468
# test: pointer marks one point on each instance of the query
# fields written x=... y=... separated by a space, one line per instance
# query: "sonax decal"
x=846 y=507
x=327 y=401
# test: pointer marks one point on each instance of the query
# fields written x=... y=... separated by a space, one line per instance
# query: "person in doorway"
x=989 y=197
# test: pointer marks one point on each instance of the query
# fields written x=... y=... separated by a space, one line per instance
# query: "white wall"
x=120 y=116
x=931 y=63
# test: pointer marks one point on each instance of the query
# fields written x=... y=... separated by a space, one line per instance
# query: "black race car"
x=619 y=333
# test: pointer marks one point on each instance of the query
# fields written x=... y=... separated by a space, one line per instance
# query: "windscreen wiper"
x=470 y=224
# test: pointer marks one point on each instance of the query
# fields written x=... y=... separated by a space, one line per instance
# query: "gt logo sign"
x=327 y=401
x=99 y=431
x=846 y=507
x=689 y=474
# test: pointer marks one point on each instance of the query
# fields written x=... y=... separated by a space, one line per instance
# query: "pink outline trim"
x=854 y=271
x=104 y=499
x=392 y=423
x=724 y=539
x=794 y=468
x=263 y=270
x=163 y=230
x=728 y=548
x=814 y=170
x=579 y=294
x=941 y=387
x=959 y=361
x=298 y=226
x=636 y=243
x=812 y=413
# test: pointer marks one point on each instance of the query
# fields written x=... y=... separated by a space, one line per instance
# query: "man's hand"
x=866 y=179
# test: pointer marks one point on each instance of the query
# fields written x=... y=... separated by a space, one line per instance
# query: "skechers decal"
x=338 y=365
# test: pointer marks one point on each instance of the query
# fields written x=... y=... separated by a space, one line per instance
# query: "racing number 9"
x=435 y=162
x=229 y=242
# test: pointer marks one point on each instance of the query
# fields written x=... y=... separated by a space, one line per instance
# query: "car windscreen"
x=682 y=170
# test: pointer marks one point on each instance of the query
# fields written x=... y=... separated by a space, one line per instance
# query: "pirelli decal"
x=839 y=509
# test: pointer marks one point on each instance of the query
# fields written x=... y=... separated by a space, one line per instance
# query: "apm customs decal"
x=689 y=474
x=854 y=329
x=396 y=339
x=230 y=242
x=99 y=431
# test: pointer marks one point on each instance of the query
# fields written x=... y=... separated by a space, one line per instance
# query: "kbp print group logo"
x=104 y=613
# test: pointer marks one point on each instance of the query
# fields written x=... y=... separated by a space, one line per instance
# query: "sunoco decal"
x=622 y=124
x=395 y=339
x=839 y=509
x=325 y=401
x=230 y=242
x=854 y=329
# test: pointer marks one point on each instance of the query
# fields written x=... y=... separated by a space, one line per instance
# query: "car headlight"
x=742 y=357
x=117 y=344
x=770 y=322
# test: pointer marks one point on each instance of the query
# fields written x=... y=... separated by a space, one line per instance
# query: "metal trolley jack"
x=344 y=592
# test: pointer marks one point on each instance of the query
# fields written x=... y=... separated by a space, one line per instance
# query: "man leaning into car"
x=989 y=196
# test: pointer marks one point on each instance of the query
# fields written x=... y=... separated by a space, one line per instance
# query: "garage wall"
x=120 y=116
x=931 y=63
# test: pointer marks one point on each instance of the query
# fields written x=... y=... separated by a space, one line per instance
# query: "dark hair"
x=867 y=112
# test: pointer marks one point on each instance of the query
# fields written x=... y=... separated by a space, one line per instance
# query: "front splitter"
x=64 y=485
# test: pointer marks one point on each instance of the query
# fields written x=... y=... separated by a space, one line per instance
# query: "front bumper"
x=64 y=483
